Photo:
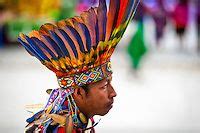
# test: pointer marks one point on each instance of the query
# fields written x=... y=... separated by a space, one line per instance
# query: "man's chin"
x=106 y=111
x=102 y=114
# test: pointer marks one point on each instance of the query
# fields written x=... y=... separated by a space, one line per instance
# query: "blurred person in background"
x=159 y=15
x=83 y=5
x=137 y=48
x=160 y=18
x=198 y=24
x=78 y=51
x=180 y=17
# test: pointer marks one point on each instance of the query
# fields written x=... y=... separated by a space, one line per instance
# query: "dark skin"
x=97 y=100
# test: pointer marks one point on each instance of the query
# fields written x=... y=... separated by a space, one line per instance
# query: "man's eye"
x=106 y=86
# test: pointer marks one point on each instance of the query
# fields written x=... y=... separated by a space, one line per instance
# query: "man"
x=98 y=104
x=78 y=51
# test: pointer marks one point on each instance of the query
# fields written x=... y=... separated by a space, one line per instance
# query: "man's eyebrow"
x=106 y=82
x=109 y=79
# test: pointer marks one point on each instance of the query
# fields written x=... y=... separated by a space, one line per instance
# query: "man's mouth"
x=111 y=104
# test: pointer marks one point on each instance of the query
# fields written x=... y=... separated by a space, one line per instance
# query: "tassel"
x=83 y=118
x=69 y=124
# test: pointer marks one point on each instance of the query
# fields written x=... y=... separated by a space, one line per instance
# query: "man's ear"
x=79 y=93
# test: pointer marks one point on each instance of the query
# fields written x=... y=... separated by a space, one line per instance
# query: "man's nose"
x=112 y=92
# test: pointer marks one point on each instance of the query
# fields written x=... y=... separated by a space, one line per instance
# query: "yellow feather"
x=56 y=64
x=22 y=36
x=48 y=110
x=91 y=53
x=102 y=45
x=48 y=64
x=79 y=62
x=97 y=61
x=68 y=61
x=74 y=62
x=87 y=58
x=58 y=119
x=61 y=24
x=115 y=41
x=48 y=91
x=62 y=63
x=69 y=22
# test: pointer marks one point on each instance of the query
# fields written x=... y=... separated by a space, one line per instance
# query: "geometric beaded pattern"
x=93 y=75
x=87 y=77
x=66 y=82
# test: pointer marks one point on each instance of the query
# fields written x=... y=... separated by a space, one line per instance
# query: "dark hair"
x=184 y=1
x=86 y=89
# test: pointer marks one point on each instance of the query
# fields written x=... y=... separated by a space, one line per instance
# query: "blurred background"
x=156 y=66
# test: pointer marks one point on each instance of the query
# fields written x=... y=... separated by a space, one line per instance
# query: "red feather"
x=122 y=10
x=113 y=11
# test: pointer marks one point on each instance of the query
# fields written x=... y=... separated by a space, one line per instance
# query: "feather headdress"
x=78 y=49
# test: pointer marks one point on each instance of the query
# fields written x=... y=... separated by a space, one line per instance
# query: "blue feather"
x=44 y=46
x=87 y=36
x=54 y=45
x=34 y=117
x=69 y=40
x=36 y=48
x=78 y=38
x=29 y=49
x=60 y=43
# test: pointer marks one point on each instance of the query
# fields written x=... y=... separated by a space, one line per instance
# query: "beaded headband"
x=87 y=77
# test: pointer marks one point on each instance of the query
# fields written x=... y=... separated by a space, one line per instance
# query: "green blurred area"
x=23 y=16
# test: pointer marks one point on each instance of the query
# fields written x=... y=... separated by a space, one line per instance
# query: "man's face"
x=100 y=97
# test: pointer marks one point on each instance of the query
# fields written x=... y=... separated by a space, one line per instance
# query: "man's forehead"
x=109 y=78
x=102 y=82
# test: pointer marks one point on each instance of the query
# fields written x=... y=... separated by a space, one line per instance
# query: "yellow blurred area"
x=32 y=8
x=25 y=15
